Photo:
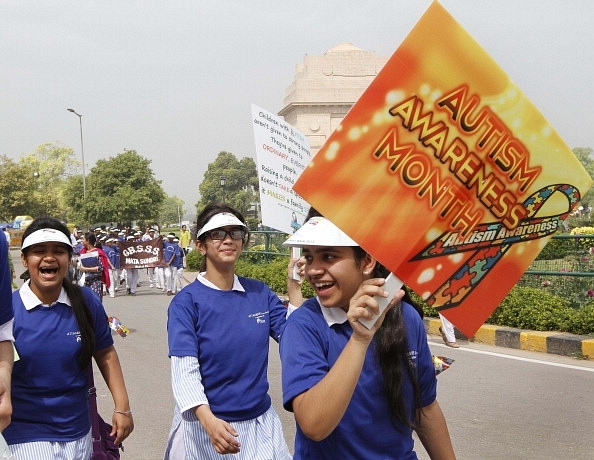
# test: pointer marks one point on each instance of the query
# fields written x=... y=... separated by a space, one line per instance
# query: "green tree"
x=71 y=199
x=241 y=182
x=584 y=154
x=172 y=210
x=122 y=189
x=33 y=185
x=18 y=190
x=54 y=161
x=53 y=164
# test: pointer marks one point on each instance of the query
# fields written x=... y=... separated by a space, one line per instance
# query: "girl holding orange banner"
x=357 y=392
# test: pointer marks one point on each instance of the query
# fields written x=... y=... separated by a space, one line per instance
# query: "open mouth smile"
x=323 y=286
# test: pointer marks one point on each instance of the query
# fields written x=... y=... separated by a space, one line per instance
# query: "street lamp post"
x=82 y=152
x=223 y=182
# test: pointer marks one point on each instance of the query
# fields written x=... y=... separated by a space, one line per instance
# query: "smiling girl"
x=58 y=328
x=219 y=330
x=357 y=392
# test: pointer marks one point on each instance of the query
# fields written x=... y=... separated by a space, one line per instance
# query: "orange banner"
x=446 y=173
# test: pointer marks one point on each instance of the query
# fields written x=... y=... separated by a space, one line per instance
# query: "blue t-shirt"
x=178 y=257
x=229 y=333
x=110 y=252
x=168 y=251
x=116 y=257
x=49 y=389
x=309 y=348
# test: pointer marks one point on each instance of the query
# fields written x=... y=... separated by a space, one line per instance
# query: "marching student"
x=6 y=335
x=96 y=276
x=133 y=273
x=59 y=328
x=111 y=250
x=177 y=272
x=152 y=278
x=219 y=328
x=357 y=392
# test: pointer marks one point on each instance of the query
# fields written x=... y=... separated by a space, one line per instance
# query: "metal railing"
x=565 y=267
x=266 y=244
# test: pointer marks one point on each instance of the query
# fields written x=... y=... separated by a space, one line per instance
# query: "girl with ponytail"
x=59 y=328
x=356 y=392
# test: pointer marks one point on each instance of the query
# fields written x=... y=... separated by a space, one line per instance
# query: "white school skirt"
x=261 y=438
x=81 y=449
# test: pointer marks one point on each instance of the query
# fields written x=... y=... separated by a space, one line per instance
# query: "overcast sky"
x=174 y=80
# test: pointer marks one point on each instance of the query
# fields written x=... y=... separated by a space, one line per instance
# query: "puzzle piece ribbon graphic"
x=490 y=241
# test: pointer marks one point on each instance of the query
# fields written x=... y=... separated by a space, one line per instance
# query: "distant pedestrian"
x=185 y=237
x=177 y=272
x=152 y=277
x=169 y=251
x=447 y=332
x=133 y=273
x=112 y=252
x=96 y=275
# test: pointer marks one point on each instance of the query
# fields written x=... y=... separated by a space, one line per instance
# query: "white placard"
x=282 y=153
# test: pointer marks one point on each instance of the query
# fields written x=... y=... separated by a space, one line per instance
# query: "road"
x=500 y=403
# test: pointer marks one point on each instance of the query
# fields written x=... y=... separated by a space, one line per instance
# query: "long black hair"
x=207 y=213
x=392 y=352
x=91 y=238
x=391 y=347
x=80 y=308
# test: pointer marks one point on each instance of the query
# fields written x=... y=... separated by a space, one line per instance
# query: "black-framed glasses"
x=235 y=234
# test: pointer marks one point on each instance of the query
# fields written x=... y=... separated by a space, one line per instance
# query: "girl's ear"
x=201 y=247
x=368 y=264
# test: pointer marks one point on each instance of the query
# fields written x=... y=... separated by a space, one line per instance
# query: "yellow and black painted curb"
x=557 y=343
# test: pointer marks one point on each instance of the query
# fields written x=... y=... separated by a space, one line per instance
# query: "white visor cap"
x=222 y=219
x=319 y=231
x=46 y=235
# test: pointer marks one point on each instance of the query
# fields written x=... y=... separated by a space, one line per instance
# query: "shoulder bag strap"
x=93 y=405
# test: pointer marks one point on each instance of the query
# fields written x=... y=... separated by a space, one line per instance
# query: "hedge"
x=524 y=307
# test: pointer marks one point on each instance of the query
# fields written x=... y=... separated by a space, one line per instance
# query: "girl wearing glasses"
x=219 y=328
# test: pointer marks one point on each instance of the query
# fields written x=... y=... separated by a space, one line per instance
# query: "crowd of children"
x=166 y=276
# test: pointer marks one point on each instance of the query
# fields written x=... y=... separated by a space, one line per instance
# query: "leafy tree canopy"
x=17 y=186
x=53 y=161
x=172 y=211
x=34 y=184
x=584 y=154
x=122 y=189
x=240 y=178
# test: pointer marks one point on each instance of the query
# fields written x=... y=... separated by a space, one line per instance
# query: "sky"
x=175 y=80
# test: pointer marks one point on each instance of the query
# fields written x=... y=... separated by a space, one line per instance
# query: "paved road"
x=146 y=368
x=500 y=403
x=503 y=403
